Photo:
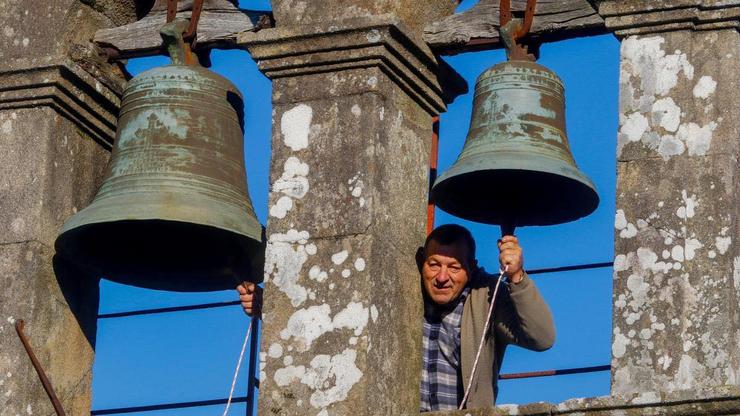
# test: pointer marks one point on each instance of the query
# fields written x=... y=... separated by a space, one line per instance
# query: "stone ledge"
x=62 y=85
x=380 y=41
x=716 y=401
x=633 y=17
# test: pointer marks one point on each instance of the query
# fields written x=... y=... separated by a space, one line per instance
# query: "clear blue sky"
x=188 y=356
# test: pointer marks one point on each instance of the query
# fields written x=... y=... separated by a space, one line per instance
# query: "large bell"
x=173 y=211
x=516 y=167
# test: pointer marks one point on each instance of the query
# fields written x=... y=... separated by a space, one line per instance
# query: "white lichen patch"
x=356 y=110
x=705 y=87
x=340 y=257
x=697 y=138
x=620 y=221
x=306 y=325
x=275 y=350
x=284 y=376
x=354 y=317
x=360 y=264
x=648 y=111
x=690 y=247
x=646 y=397
x=658 y=72
x=281 y=207
x=722 y=244
x=619 y=346
x=666 y=114
x=315 y=273
x=627 y=229
x=331 y=377
x=285 y=255
x=373 y=36
x=295 y=126
x=356 y=185
x=688 y=209
x=293 y=184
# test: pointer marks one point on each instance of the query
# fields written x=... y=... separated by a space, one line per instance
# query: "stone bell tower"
x=355 y=88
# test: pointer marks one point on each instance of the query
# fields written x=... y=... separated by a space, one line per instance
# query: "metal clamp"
x=189 y=34
x=511 y=30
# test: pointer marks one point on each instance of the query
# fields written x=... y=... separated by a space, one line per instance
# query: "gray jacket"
x=521 y=317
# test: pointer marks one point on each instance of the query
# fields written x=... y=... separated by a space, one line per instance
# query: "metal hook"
x=194 y=18
x=511 y=30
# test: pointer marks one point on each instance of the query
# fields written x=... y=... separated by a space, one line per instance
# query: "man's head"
x=446 y=262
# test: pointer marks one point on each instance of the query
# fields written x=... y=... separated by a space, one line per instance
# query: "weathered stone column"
x=58 y=103
x=677 y=269
x=353 y=103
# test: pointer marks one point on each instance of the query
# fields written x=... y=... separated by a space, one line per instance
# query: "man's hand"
x=250 y=296
x=511 y=256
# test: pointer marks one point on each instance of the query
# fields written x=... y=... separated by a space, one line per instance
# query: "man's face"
x=445 y=271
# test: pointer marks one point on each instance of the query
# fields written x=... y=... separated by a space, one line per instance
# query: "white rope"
x=238 y=364
x=482 y=338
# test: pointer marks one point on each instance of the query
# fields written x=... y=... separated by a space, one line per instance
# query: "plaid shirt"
x=441 y=382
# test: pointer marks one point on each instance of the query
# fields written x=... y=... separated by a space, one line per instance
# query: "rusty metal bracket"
x=190 y=33
x=19 y=325
x=511 y=30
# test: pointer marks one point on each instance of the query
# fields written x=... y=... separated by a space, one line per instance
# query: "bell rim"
x=95 y=213
x=463 y=166
x=214 y=280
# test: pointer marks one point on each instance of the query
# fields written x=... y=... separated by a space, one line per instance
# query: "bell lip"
x=226 y=279
x=164 y=207
x=478 y=164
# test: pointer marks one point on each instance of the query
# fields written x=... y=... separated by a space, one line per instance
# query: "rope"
x=236 y=372
x=483 y=338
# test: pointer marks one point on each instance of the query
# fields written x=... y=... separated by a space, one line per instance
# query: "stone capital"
x=67 y=88
x=381 y=42
x=640 y=17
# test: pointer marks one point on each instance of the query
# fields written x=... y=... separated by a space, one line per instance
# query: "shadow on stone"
x=81 y=290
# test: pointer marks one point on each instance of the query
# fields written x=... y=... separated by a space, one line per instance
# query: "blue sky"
x=188 y=356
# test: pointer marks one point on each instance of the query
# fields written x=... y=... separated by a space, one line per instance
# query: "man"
x=456 y=299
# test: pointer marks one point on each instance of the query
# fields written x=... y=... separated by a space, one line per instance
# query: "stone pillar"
x=353 y=104
x=677 y=265
x=58 y=103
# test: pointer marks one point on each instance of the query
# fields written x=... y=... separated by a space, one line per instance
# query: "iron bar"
x=168 y=406
x=545 y=373
x=58 y=409
x=570 y=268
x=233 y=303
x=168 y=309
x=252 y=381
x=165 y=406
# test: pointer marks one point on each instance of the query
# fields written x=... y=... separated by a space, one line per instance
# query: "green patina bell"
x=173 y=211
x=516 y=167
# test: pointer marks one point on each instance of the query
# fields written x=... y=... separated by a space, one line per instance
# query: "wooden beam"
x=477 y=28
x=220 y=23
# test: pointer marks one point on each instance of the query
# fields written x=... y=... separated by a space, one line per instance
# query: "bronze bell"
x=173 y=211
x=516 y=167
